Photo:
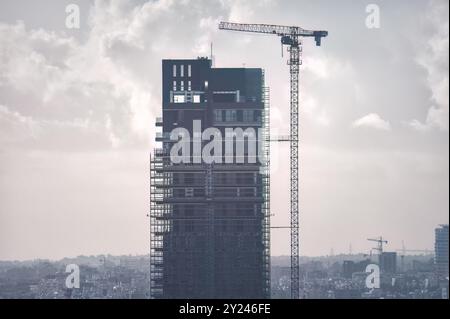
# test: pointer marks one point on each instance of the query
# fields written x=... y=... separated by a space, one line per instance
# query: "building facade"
x=210 y=229
x=441 y=250
x=388 y=262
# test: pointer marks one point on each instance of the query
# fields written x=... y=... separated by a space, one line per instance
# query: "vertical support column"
x=294 y=63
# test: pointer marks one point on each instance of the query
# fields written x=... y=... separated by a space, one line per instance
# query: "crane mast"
x=290 y=36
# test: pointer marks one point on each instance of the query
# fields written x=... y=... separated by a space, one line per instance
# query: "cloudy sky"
x=77 y=109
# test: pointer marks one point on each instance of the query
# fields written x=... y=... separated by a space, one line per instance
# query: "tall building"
x=441 y=250
x=388 y=262
x=349 y=267
x=210 y=232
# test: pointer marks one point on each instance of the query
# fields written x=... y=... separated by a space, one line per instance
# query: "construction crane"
x=380 y=241
x=422 y=251
x=403 y=252
x=291 y=37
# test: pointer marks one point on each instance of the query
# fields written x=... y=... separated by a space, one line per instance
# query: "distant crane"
x=380 y=241
x=290 y=36
x=423 y=251
x=403 y=252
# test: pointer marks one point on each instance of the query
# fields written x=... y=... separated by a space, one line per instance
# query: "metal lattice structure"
x=265 y=175
x=290 y=36
x=294 y=62
x=159 y=223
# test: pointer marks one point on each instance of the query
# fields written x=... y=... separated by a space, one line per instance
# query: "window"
x=174 y=70
x=248 y=116
x=196 y=98
x=224 y=97
x=218 y=115
x=230 y=116
x=189 y=85
x=178 y=98
x=239 y=115
x=181 y=85
x=182 y=70
x=189 y=178
x=189 y=70
x=189 y=192
x=199 y=192
x=174 y=85
x=206 y=85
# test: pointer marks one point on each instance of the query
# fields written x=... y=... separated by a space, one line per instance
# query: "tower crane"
x=380 y=241
x=403 y=252
x=291 y=37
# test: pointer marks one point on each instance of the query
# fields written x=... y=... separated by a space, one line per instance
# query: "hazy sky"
x=77 y=109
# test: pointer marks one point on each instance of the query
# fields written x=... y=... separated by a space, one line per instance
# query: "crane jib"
x=280 y=30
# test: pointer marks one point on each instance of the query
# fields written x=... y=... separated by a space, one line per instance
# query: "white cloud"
x=58 y=84
x=318 y=115
x=418 y=126
x=433 y=57
x=244 y=10
x=110 y=81
x=323 y=118
x=325 y=66
x=372 y=120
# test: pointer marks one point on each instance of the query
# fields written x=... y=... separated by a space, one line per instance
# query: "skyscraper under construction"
x=210 y=229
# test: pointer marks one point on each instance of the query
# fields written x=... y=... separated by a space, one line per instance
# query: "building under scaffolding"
x=210 y=222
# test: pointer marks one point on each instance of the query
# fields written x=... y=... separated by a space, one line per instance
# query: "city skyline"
x=78 y=106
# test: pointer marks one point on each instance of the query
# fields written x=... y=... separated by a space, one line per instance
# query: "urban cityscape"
x=201 y=150
x=405 y=274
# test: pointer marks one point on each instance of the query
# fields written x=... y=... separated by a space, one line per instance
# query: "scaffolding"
x=265 y=172
x=160 y=223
